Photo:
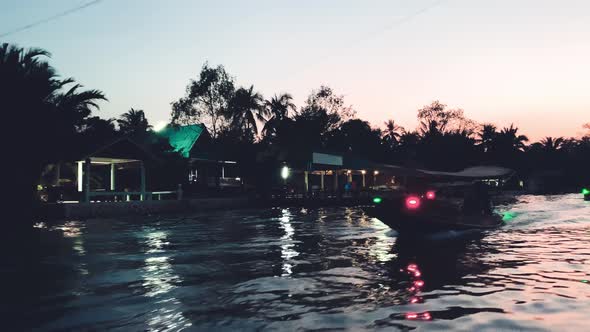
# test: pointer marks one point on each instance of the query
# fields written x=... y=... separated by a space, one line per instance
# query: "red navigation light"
x=412 y=202
x=431 y=194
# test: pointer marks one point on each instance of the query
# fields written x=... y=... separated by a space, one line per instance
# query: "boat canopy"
x=478 y=172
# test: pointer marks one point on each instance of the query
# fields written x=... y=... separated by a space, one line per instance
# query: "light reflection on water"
x=328 y=268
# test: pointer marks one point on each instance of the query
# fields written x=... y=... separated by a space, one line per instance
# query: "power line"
x=51 y=18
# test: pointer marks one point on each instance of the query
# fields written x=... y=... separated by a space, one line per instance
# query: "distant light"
x=285 y=172
x=585 y=191
x=238 y=179
x=585 y=281
x=160 y=125
x=377 y=200
x=430 y=194
x=411 y=315
x=419 y=283
x=348 y=172
x=507 y=216
x=376 y=172
x=412 y=202
x=412 y=267
x=426 y=316
x=363 y=172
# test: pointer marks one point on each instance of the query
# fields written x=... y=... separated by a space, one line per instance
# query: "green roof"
x=182 y=138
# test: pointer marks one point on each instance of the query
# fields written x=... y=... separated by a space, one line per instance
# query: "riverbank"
x=56 y=211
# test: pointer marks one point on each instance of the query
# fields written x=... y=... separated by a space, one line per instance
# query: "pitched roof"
x=182 y=138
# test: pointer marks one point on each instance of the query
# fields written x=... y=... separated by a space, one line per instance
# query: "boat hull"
x=426 y=223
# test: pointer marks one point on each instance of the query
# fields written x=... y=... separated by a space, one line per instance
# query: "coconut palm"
x=551 y=144
x=392 y=133
x=133 y=121
x=246 y=108
x=486 y=136
x=33 y=95
x=278 y=109
x=510 y=138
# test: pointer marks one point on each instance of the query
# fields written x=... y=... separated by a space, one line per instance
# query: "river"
x=316 y=269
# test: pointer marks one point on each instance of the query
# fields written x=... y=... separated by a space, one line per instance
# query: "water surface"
x=290 y=269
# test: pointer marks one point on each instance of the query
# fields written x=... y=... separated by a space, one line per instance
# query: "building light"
x=376 y=173
x=285 y=172
x=160 y=125
x=363 y=172
x=348 y=172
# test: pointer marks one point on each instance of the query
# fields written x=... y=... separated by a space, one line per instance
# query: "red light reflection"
x=417 y=284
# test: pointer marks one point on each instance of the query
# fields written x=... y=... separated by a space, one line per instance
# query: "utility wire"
x=51 y=18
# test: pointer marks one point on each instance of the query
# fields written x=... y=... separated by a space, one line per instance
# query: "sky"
x=525 y=62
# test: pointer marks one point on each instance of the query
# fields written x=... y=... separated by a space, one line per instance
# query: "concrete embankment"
x=113 y=209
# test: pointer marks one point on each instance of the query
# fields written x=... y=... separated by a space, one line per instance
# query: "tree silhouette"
x=278 y=108
x=133 y=121
x=392 y=133
x=245 y=109
x=551 y=144
x=206 y=101
x=35 y=95
x=486 y=137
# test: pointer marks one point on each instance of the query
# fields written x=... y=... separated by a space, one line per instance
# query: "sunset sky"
x=521 y=61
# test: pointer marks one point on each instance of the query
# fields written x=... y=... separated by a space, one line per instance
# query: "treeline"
x=57 y=116
x=445 y=139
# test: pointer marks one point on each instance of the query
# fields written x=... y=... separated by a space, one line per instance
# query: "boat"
x=439 y=208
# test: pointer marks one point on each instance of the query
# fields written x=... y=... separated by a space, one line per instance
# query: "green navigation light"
x=377 y=200
x=507 y=216
x=585 y=191
x=585 y=281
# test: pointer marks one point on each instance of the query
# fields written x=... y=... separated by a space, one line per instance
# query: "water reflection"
x=340 y=270
x=160 y=281
x=288 y=251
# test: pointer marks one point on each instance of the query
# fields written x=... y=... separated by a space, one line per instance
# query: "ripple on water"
x=329 y=268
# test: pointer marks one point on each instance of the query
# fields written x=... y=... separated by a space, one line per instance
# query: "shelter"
x=118 y=154
x=208 y=166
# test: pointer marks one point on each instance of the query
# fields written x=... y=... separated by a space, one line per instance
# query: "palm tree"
x=551 y=144
x=487 y=136
x=133 y=121
x=32 y=96
x=392 y=133
x=278 y=108
x=510 y=137
x=246 y=108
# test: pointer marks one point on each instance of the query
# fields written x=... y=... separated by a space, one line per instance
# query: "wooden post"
x=306 y=181
x=87 y=180
x=335 y=181
x=112 y=177
x=142 y=188
x=322 y=180
x=364 y=185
